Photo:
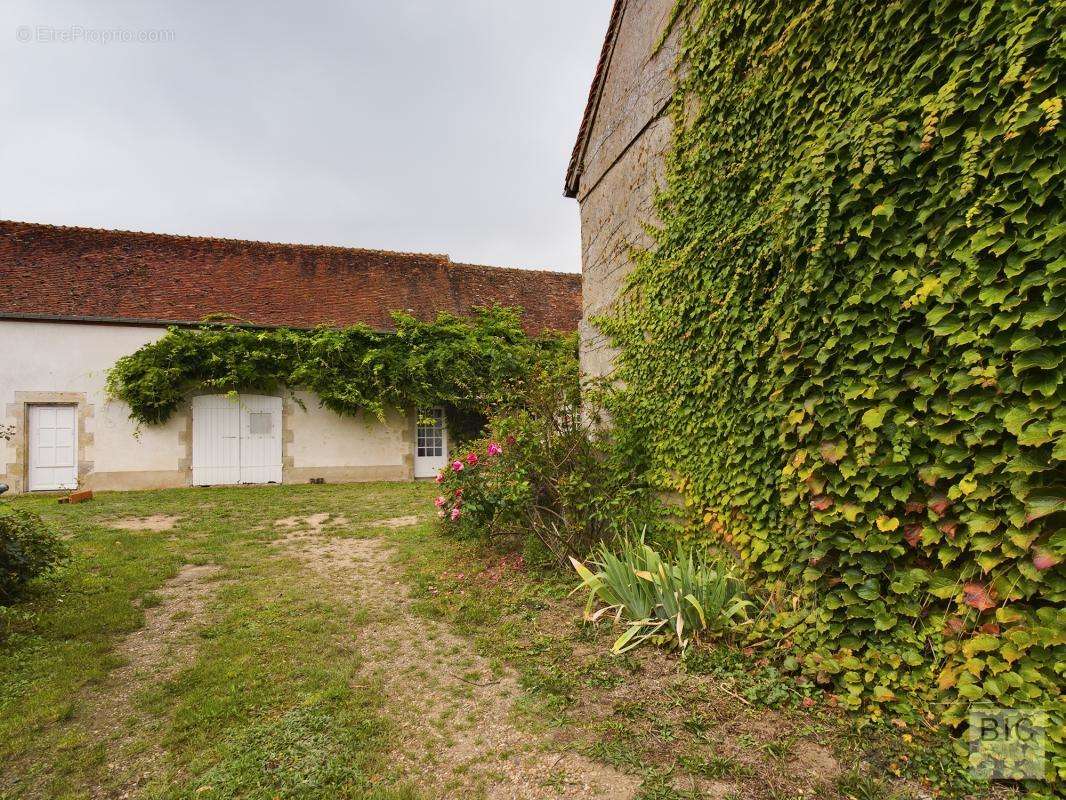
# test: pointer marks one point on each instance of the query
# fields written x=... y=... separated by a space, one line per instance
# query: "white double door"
x=236 y=439
x=53 y=462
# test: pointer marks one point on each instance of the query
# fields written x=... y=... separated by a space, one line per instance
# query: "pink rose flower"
x=439 y=502
x=440 y=477
x=456 y=513
x=457 y=466
x=458 y=491
x=494 y=449
x=471 y=459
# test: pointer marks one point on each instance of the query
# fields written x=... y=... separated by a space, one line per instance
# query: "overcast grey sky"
x=438 y=126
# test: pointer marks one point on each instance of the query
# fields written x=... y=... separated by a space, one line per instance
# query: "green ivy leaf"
x=874 y=417
x=1043 y=502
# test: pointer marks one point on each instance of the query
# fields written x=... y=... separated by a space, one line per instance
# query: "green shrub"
x=544 y=474
x=28 y=549
x=675 y=600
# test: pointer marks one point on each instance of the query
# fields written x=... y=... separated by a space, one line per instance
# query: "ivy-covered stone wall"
x=845 y=348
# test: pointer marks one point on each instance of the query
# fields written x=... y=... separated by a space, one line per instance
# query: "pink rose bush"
x=468 y=488
x=546 y=478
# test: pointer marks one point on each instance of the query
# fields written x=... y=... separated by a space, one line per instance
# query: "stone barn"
x=74 y=300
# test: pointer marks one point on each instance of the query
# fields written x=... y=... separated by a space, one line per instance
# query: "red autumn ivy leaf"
x=913 y=534
x=821 y=502
x=975 y=595
x=948 y=527
x=914 y=507
x=954 y=626
x=938 y=504
x=1044 y=559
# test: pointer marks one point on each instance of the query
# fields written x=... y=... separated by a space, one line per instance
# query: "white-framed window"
x=430 y=435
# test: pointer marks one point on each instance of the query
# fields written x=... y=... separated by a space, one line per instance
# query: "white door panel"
x=431 y=443
x=236 y=440
x=260 y=439
x=216 y=440
x=53 y=457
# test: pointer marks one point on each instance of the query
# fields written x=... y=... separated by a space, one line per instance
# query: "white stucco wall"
x=68 y=362
x=324 y=439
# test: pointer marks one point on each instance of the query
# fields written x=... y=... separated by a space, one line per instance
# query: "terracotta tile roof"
x=573 y=171
x=50 y=271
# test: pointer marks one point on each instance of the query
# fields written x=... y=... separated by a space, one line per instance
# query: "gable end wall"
x=622 y=166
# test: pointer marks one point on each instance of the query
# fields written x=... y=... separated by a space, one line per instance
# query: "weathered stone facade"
x=618 y=160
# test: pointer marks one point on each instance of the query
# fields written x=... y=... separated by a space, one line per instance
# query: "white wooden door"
x=431 y=442
x=53 y=461
x=260 y=439
x=236 y=440
x=216 y=440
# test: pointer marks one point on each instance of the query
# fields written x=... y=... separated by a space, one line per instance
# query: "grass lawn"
x=325 y=641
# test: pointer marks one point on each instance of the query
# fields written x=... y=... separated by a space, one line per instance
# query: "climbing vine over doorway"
x=469 y=364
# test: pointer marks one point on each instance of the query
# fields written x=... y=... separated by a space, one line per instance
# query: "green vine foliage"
x=846 y=346
x=470 y=365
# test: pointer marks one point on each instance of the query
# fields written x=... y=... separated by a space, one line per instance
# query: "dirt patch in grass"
x=311 y=525
x=816 y=762
x=156 y=522
x=706 y=789
x=153 y=653
x=454 y=713
x=397 y=522
x=168 y=625
x=311 y=537
x=644 y=708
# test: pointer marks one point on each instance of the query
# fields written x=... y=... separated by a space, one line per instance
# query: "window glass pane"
x=429 y=435
x=260 y=423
